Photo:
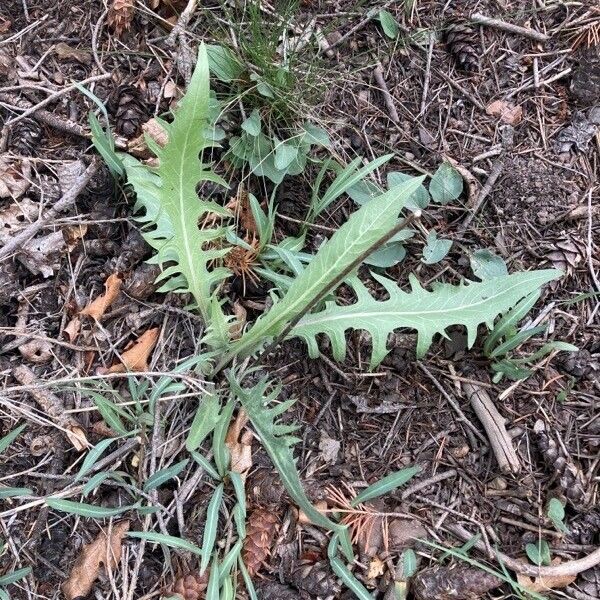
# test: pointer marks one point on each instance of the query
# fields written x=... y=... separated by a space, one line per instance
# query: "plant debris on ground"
x=299 y=299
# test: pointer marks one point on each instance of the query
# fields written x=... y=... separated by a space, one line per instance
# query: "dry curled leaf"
x=240 y=206
x=240 y=445
x=100 y=305
x=505 y=111
x=135 y=358
x=151 y=129
x=72 y=234
x=105 y=551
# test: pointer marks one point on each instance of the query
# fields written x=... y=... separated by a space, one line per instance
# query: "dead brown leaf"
x=135 y=357
x=64 y=51
x=240 y=206
x=505 y=111
x=376 y=568
x=542 y=584
x=100 y=305
x=237 y=327
x=72 y=234
x=15 y=178
x=240 y=445
x=73 y=329
x=155 y=131
x=105 y=551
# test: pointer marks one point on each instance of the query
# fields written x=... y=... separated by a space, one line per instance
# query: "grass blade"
x=164 y=475
x=14 y=576
x=9 y=438
x=210 y=528
x=93 y=455
x=87 y=510
x=166 y=540
x=391 y=482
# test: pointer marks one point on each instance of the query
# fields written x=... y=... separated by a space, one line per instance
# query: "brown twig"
x=569 y=568
x=53 y=406
x=389 y=101
x=45 y=116
x=182 y=22
x=497 y=169
x=370 y=15
x=495 y=428
x=55 y=96
x=480 y=19
x=62 y=204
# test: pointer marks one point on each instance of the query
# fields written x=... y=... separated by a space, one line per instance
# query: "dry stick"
x=53 y=407
x=336 y=281
x=462 y=90
x=494 y=425
x=65 y=202
x=45 y=116
x=370 y=15
x=182 y=22
x=497 y=168
x=461 y=415
x=427 y=78
x=566 y=569
x=389 y=101
x=56 y=95
x=480 y=19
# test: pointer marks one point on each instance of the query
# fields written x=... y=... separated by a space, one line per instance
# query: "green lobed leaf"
x=355 y=237
x=446 y=184
x=429 y=312
x=387 y=484
x=277 y=442
x=171 y=208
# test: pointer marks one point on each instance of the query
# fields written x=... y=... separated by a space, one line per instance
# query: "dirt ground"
x=519 y=117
